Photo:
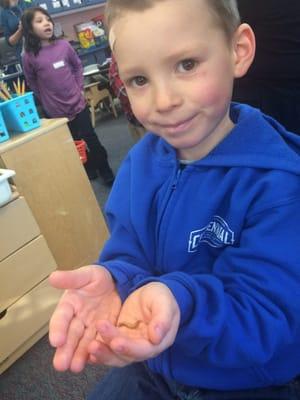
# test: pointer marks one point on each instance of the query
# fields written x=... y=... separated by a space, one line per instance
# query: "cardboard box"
x=17 y=227
x=23 y=270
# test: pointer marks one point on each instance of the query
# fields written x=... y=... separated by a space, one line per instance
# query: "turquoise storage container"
x=3 y=130
x=20 y=113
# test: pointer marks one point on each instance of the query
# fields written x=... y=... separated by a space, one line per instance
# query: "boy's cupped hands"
x=90 y=324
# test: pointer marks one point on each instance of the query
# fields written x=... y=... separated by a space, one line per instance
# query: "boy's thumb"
x=75 y=279
x=157 y=332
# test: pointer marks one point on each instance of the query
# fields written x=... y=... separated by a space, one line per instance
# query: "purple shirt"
x=55 y=76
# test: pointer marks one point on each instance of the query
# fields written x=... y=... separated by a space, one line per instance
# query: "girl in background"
x=54 y=72
x=11 y=24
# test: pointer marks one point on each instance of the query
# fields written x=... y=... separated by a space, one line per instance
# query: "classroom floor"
x=114 y=135
x=32 y=377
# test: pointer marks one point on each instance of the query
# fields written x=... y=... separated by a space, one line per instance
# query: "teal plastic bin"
x=3 y=130
x=20 y=113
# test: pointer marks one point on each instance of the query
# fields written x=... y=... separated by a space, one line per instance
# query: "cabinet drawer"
x=22 y=349
x=23 y=270
x=18 y=226
x=26 y=316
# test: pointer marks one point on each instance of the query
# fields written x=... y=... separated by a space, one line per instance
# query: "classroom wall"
x=69 y=20
x=72 y=18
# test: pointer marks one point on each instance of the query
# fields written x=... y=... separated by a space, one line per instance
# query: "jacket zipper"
x=176 y=180
x=172 y=190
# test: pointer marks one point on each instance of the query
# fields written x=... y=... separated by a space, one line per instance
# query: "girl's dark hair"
x=33 y=43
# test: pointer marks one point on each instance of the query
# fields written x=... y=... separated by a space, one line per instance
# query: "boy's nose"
x=166 y=99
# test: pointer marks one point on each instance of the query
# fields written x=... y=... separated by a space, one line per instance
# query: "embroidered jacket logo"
x=217 y=234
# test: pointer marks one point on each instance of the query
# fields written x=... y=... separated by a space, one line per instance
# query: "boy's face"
x=178 y=70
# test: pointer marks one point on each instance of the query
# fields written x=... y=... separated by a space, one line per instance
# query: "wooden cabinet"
x=18 y=227
x=25 y=317
x=23 y=270
x=50 y=176
x=26 y=298
x=56 y=223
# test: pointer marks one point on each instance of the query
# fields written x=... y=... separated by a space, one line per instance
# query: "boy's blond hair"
x=225 y=12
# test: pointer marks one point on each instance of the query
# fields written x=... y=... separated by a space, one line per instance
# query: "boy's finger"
x=59 y=324
x=102 y=354
x=156 y=331
x=163 y=317
x=107 y=331
x=81 y=354
x=163 y=307
x=160 y=338
x=75 y=279
x=64 y=354
x=131 y=349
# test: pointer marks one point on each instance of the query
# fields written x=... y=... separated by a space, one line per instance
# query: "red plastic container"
x=81 y=148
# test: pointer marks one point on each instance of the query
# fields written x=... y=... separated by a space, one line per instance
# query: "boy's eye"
x=187 y=65
x=139 y=81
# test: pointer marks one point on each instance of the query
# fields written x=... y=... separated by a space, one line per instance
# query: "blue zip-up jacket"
x=224 y=235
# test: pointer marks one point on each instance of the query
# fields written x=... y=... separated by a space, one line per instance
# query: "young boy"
x=201 y=274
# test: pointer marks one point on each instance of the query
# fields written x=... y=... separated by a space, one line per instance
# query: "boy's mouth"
x=178 y=127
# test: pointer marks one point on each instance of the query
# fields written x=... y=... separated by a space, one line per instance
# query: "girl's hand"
x=147 y=325
x=90 y=296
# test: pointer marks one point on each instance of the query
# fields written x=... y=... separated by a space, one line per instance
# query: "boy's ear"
x=244 y=49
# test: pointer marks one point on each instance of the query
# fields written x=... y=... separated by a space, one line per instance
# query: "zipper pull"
x=174 y=186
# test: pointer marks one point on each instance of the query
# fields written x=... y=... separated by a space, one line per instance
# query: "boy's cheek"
x=211 y=94
x=140 y=111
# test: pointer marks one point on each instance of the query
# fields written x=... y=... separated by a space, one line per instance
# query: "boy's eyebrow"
x=125 y=73
x=183 y=53
x=180 y=54
x=175 y=55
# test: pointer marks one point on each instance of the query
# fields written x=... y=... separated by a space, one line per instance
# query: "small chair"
x=94 y=96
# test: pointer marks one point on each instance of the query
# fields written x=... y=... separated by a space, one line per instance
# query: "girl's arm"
x=30 y=74
x=16 y=37
x=76 y=66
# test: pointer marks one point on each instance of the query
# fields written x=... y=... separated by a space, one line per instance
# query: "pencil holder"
x=3 y=130
x=20 y=113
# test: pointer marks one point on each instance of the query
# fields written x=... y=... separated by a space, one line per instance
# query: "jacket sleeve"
x=123 y=254
x=249 y=307
x=7 y=32
x=30 y=74
x=76 y=66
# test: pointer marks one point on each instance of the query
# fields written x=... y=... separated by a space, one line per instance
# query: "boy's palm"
x=90 y=296
x=147 y=325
